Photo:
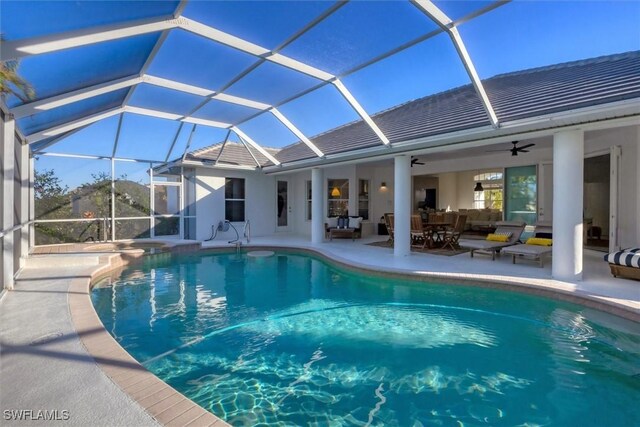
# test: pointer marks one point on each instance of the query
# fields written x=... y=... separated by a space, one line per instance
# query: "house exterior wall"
x=455 y=186
x=260 y=202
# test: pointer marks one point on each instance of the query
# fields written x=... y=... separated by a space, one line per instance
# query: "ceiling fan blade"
x=525 y=146
x=494 y=151
x=523 y=151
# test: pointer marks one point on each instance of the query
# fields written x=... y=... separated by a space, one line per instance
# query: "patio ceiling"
x=240 y=68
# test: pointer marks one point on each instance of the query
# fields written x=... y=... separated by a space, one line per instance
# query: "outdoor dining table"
x=433 y=227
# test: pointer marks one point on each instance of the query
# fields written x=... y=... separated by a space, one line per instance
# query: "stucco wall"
x=260 y=202
x=455 y=186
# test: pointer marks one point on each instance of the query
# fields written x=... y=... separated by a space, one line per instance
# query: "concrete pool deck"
x=57 y=356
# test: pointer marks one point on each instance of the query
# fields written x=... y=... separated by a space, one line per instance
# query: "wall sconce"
x=383 y=185
x=478 y=187
x=335 y=192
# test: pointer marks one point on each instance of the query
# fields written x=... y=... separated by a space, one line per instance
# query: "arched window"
x=490 y=197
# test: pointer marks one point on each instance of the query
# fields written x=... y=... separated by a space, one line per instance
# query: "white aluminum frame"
x=16 y=49
x=356 y=106
x=251 y=142
x=296 y=131
x=447 y=25
x=74 y=124
x=31 y=108
x=71 y=39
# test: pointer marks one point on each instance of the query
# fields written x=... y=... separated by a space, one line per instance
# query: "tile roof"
x=233 y=153
x=517 y=95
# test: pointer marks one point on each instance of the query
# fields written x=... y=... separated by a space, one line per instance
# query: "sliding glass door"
x=521 y=194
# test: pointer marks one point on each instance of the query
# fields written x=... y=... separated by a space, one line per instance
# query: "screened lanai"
x=126 y=94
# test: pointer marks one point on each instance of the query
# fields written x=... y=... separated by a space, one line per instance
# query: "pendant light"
x=478 y=187
x=335 y=192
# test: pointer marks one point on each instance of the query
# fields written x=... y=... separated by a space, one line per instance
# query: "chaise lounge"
x=507 y=234
x=535 y=248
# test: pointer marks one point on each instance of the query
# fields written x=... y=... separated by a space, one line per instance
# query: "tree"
x=11 y=83
x=46 y=184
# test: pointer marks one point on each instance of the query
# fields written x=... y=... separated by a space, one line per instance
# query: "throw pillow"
x=539 y=241
x=355 y=222
x=498 y=237
x=332 y=222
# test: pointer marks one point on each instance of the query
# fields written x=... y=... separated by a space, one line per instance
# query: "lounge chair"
x=532 y=249
x=388 y=222
x=513 y=229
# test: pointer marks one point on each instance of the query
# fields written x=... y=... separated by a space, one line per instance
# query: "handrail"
x=247 y=230
x=100 y=218
x=14 y=228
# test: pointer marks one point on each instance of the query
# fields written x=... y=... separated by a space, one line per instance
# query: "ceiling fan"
x=415 y=161
x=515 y=149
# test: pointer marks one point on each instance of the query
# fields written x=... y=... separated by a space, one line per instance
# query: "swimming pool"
x=293 y=340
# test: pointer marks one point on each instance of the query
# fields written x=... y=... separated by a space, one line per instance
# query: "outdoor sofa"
x=343 y=226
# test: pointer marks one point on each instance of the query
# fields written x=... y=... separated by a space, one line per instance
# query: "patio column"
x=317 y=214
x=402 y=206
x=8 y=165
x=32 y=205
x=25 y=164
x=568 y=179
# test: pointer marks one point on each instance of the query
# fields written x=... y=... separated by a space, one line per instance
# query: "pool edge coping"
x=149 y=391
x=158 y=399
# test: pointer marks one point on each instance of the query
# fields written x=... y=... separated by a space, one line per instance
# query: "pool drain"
x=260 y=254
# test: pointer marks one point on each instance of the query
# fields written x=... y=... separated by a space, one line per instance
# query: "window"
x=308 y=193
x=491 y=196
x=363 y=198
x=234 y=199
x=338 y=197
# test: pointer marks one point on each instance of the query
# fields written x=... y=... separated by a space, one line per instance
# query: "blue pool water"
x=292 y=340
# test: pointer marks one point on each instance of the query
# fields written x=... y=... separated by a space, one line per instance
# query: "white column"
x=32 y=205
x=8 y=165
x=25 y=164
x=317 y=209
x=402 y=206
x=568 y=179
x=638 y=185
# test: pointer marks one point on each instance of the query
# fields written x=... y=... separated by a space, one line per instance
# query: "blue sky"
x=519 y=35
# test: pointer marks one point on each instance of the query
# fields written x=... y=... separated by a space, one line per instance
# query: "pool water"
x=292 y=340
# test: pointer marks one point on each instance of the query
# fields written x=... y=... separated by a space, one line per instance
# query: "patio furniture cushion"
x=539 y=241
x=526 y=249
x=629 y=259
x=503 y=233
x=632 y=250
x=498 y=237
x=355 y=222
